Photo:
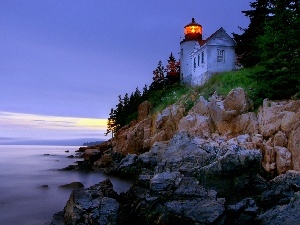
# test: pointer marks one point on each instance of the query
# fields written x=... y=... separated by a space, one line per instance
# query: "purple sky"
x=72 y=58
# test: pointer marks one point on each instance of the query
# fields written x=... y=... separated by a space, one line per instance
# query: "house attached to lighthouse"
x=200 y=59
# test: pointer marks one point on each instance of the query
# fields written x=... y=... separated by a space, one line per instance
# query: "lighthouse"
x=192 y=35
x=200 y=59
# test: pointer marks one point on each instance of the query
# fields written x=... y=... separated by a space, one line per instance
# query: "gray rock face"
x=203 y=211
x=223 y=169
x=184 y=154
x=95 y=205
x=280 y=190
x=283 y=214
x=165 y=182
x=128 y=161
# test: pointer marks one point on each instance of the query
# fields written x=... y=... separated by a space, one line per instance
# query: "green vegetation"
x=272 y=42
x=223 y=83
x=160 y=99
x=269 y=51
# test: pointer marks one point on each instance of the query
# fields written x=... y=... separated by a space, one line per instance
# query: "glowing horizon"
x=34 y=126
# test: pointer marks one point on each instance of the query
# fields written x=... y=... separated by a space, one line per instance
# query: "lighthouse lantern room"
x=193 y=31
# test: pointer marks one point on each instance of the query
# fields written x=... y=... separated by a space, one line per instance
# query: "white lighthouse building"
x=200 y=59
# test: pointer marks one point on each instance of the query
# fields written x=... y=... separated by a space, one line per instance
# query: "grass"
x=221 y=84
x=162 y=98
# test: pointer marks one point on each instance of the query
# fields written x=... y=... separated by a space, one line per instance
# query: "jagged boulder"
x=165 y=123
x=95 y=205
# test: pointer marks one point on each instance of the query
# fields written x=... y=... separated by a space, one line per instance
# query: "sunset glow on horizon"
x=32 y=126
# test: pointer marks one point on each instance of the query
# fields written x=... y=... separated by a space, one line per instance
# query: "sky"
x=63 y=63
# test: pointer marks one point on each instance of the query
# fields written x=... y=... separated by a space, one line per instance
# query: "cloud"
x=33 y=126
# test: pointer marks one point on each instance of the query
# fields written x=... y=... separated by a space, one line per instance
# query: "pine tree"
x=158 y=76
x=247 y=50
x=280 y=52
x=111 y=125
x=173 y=70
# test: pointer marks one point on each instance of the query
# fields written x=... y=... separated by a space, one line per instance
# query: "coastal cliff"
x=217 y=163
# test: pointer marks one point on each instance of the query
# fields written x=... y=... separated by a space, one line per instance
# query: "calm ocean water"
x=23 y=169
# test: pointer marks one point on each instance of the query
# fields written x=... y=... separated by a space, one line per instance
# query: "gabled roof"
x=215 y=34
x=209 y=40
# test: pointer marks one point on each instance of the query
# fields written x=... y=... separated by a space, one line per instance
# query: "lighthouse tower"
x=192 y=36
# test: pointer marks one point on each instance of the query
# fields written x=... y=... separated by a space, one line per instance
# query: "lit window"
x=221 y=56
x=202 y=57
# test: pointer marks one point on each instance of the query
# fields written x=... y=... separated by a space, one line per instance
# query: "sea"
x=25 y=169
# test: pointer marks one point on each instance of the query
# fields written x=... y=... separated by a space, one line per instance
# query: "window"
x=221 y=56
x=202 y=57
x=195 y=62
x=181 y=51
x=198 y=60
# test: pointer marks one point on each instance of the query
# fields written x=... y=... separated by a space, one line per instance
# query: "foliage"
x=126 y=110
x=247 y=49
x=158 y=76
x=279 y=52
x=223 y=83
x=163 y=77
x=160 y=99
x=173 y=70
x=272 y=42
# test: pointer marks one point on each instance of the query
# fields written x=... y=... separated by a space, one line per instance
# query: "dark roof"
x=193 y=23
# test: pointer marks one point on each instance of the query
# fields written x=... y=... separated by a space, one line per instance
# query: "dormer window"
x=221 y=55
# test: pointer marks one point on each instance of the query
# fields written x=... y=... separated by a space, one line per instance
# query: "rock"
x=243 y=212
x=89 y=153
x=201 y=107
x=203 y=211
x=283 y=215
x=164 y=183
x=241 y=139
x=238 y=101
x=189 y=188
x=143 y=110
x=129 y=160
x=95 y=205
x=70 y=167
x=196 y=125
x=185 y=153
x=283 y=159
x=257 y=140
x=45 y=186
x=294 y=147
x=280 y=190
x=276 y=115
x=280 y=139
x=165 y=123
x=70 y=156
x=58 y=218
x=105 y=161
x=73 y=185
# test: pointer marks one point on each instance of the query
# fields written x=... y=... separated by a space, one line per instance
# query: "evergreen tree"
x=173 y=70
x=280 y=52
x=247 y=50
x=158 y=76
x=111 y=125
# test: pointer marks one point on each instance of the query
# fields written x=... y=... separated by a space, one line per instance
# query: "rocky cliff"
x=274 y=129
x=218 y=163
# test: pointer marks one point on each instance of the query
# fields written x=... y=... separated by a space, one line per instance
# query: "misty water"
x=24 y=169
